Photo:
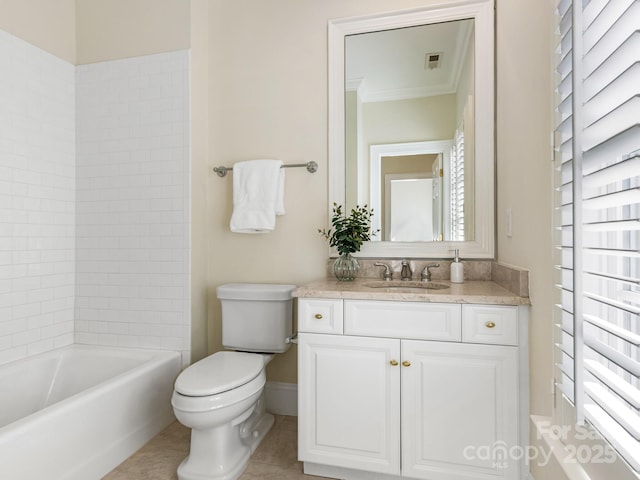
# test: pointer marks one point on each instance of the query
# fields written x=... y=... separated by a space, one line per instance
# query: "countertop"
x=480 y=292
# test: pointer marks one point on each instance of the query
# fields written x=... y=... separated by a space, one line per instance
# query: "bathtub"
x=79 y=411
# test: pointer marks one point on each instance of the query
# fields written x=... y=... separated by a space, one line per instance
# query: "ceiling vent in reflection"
x=432 y=61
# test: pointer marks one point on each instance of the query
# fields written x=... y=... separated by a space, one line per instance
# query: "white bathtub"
x=79 y=411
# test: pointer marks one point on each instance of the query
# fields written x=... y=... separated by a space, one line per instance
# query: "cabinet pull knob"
x=406 y=363
x=490 y=324
x=318 y=316
x=394 y=363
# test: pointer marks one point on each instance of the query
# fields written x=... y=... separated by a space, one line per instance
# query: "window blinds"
x=457 y=186
x=598 y=216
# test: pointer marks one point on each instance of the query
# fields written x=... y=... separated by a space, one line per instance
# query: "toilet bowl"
x=221 y=397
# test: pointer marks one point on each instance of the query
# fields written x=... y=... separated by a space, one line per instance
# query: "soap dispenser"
x=457 y=269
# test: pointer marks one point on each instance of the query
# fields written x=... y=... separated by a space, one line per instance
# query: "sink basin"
x=399 y=284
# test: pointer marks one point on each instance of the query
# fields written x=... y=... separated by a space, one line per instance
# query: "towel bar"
x=312 y=167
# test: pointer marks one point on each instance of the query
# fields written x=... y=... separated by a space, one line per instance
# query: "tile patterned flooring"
x=274 y=459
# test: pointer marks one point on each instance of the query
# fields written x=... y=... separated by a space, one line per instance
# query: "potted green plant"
x=347 y=234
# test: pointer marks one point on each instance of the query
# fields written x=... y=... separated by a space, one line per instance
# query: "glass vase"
x=346 y=268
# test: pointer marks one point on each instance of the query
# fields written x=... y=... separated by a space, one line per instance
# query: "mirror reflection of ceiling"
x=395 y=64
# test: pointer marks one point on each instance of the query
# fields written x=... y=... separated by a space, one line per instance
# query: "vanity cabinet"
x=409 y=390
x=349 y=406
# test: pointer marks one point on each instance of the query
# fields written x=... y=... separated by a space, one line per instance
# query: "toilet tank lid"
x=255 y=291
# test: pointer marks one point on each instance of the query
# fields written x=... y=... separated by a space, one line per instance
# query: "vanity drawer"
x=490 y=324
x=318 y=315
x=423 y=321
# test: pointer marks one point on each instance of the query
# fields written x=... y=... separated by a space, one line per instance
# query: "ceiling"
x=390 y=64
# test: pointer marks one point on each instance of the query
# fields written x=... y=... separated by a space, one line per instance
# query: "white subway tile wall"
x=37 y=200
x=132 y=203
x=94 y=201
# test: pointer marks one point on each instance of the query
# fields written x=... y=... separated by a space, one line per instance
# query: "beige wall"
x=47 y=24
x=352 y=128
x=524 y=86
x=466 y=83
x=415 y=120
x=200 y=172
x=267 y=97
x=87 y=31
x=115 y=29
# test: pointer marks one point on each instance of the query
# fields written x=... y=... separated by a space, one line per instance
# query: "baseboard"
x=281 y=398
x=553 y=464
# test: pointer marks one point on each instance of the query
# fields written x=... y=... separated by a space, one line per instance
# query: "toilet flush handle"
x=292 y=338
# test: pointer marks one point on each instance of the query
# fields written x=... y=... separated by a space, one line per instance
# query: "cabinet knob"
x=393 y=363
x=490 y=324
x=406 y=363
x=318 y=316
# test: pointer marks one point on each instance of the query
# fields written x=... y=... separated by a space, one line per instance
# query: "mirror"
x=410 y=95
x=392 y=98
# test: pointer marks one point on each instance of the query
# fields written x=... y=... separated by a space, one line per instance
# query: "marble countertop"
x=481 y=292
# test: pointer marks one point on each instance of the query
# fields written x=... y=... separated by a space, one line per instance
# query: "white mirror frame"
x=482 y=11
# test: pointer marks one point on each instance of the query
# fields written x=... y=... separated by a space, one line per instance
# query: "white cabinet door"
x=349 y=407
x=459 y=411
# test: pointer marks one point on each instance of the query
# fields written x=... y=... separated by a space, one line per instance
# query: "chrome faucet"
x=388 y=274
x=406 y=273
x=426 y=273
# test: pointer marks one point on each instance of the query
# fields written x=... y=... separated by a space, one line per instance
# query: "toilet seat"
x=220 y=372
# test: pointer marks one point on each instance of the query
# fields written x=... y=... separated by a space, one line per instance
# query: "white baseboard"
x=281 y=398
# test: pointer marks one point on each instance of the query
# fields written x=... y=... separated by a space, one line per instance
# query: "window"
x=598 y=218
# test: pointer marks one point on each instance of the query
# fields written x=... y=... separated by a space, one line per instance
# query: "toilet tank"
x=256 y=317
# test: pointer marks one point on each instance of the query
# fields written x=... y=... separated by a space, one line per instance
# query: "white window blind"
x=457 y=186
x=598 y=216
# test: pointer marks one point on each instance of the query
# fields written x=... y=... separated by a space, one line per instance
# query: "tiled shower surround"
x=132 y=201
x=94 y=201
x=37 y=200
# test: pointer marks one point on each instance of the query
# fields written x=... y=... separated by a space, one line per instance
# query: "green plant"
x=349 y=232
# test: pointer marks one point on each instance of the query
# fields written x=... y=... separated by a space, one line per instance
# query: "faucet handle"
x=406 y=272
x=426 y=273
x=388 y=274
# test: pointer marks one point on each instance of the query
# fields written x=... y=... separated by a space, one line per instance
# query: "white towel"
x=258 y=195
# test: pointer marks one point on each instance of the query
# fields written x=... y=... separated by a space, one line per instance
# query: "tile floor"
x=274 y=459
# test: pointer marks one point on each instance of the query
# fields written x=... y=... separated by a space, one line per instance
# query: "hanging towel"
x=258 y=195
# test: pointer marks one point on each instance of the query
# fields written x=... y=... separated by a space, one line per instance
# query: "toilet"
x=220 y=398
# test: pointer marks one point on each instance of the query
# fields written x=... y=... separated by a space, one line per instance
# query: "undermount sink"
x=401 y=284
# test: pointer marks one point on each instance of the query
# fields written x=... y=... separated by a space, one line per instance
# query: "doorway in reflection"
x=405 y=215
x=411 y=192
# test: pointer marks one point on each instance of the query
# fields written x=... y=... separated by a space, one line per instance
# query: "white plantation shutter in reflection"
x=598 y=216
x=457 y=186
